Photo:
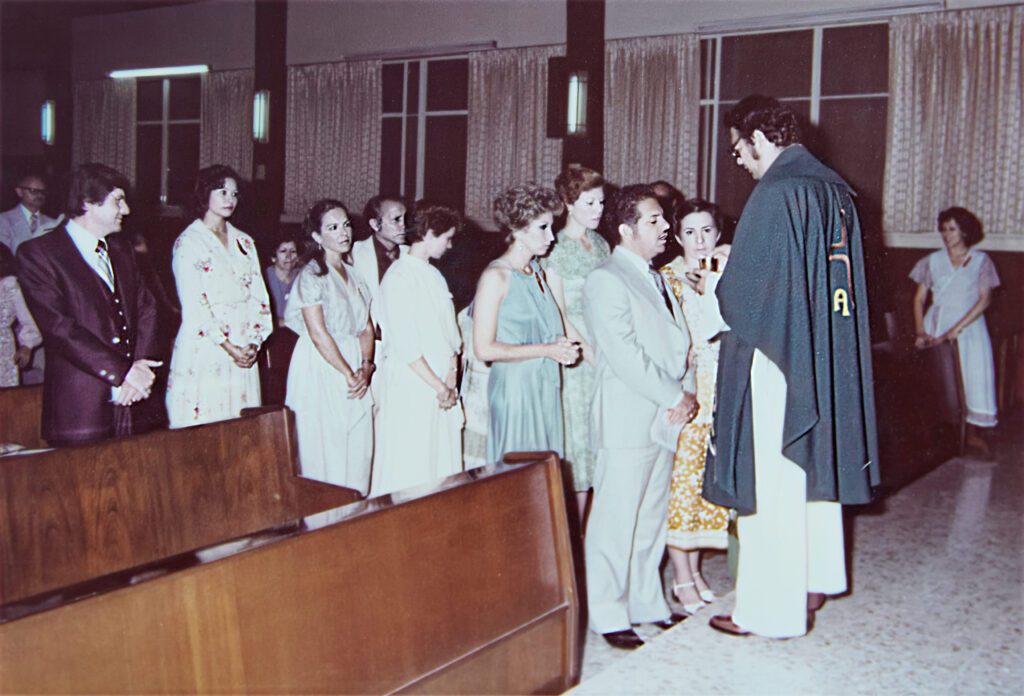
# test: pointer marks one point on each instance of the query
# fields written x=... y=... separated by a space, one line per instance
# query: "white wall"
x=329 y=31
x=218 y=33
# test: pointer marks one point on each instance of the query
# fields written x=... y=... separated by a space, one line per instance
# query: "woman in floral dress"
x=694 y=523
x=579 y=249
x=225 y=311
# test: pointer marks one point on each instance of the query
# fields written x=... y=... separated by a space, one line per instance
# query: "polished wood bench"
x=71 y=514
x=21 y=409
x=464 y=587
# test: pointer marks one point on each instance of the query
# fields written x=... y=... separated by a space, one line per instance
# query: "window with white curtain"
x=167 y=125
x=834 y=77
x=423 y=128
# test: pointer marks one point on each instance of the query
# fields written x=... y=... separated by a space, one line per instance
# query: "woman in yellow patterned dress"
x=694 y=523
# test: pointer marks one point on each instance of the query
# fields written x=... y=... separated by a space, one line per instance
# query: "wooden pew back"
x=21 y=409
x=468 y=589
x=71 y=514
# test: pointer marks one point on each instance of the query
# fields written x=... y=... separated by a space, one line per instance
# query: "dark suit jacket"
x=92 y=336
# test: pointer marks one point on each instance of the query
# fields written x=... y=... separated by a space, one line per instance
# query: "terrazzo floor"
x=937 y=605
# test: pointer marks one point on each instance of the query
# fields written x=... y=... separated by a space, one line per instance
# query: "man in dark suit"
x=96 y=315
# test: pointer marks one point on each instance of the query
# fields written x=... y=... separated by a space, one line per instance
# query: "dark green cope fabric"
x=778 y=294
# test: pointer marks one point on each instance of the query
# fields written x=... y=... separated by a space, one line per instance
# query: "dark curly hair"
x=766 y=114
x=699 y=205
x=92 y=183
x=433 y=217
x=311 y=224
x=967 y=221
x=208 y=180
x=520 y=205
x=623 y=207
x=574 y=181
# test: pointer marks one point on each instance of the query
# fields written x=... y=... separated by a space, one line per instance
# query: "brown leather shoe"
x=724 y=624
x=624 y=640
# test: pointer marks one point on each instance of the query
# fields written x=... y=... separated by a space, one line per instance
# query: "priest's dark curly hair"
x=766 y=114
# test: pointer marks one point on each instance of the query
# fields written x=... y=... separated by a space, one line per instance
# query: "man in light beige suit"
x=641 y=342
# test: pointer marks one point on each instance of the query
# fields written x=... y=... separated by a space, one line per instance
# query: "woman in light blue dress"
x=518 y=328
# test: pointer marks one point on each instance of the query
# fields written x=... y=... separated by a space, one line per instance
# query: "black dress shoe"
x=624 y=640
x=671 y=621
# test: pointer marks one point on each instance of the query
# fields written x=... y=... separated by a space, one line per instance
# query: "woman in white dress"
x=225 y=311
x=15 y=352
x=330 y=370
x=419 y=424
x=961 y=280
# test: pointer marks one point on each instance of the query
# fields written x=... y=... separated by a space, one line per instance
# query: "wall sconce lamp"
x=261 y=116
x=48 y=121
x=159 y=72
x=576 y=114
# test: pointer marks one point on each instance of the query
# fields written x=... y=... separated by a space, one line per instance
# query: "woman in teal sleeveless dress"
x=518 y=328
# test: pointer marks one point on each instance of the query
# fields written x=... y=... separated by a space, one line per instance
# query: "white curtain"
x=955 y=106
x=507 y=141
x=652 y=110
x=225 y=134
x=103 y=129
x=332 y=147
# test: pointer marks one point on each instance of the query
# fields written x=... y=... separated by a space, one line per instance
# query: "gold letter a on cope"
x=840 y=300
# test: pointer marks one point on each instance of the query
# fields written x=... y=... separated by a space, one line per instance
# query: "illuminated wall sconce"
x=48 y=121
x=576 y=116
x=159 y=72
x=261 y=116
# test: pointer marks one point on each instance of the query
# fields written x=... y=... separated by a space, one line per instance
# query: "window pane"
x=855 y=60
x=391 y=87
x=149 y=100
x=853 y=143
x=444 y=173
x=412 y=106
x=707 y=75
x=183 y=162
x=185 y=98
x=447 y=84
x=147 y=164
x=409 y=190
x=391 y=156
x=778 y=65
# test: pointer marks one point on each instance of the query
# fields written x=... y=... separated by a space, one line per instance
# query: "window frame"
x=707 y=157
x=421 y=113
x=165 y=123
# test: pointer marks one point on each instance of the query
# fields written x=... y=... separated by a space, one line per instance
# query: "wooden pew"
x=20 y=412
x=464 y=588
x=72 y=514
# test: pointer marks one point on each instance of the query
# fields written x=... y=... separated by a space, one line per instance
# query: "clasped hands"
x=923 y=340
x=685 y=411
x=138 y=382
x=448 y=395
x=359 y=381
x=243 y=357
x=564 y=351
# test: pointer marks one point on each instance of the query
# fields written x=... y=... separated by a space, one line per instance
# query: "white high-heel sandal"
x=689 y=608
x=707 y=595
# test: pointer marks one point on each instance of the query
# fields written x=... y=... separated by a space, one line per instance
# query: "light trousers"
x=625 y=538
x=790 y=546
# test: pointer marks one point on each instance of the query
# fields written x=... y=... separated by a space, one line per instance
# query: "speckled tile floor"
x=937 y=606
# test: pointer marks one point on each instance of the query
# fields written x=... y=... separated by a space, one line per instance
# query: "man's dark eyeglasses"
x=38 y=192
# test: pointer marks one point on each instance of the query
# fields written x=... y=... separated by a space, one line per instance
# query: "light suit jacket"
x=641 y=353
x=364 y=260
x=14 y=228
